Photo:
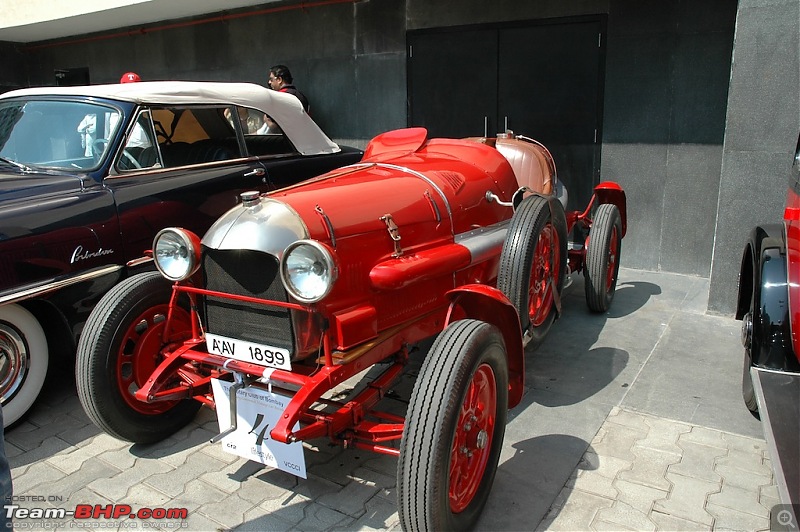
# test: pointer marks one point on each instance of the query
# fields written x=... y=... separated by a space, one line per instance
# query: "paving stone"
x=198 y=521
x=628 y=418
x=173 y=482
x=742 y=500
x=230 y=477
x=698 y=461
x=746 y=461
x=339 y=468
x=649 y=468
x=270 y=484
x=574 y=510
x=663 y=435
x=618 y=443
x=36 y=479
x=380 y=515
x=257 y=520
x=43 y=450
x=229 y=511
x=70 y=484
x=314 y=487
x=215 y=450
x=73 y=459
x=120 y=458
x=686 y=499
x=704 y=436
x=352 y=499
x=676 y=524
x=637 y=496
x=605 y=526
x=196 y=494
x=319 y=517
x=731 y=519
x=599 y=481
x=117 y=487
x=742 y=478
x=289 y=507
x=175 y=453
x=624 y=515
x=737 y=442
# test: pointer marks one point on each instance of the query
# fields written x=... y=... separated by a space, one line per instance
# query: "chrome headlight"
x=177 y=253
x=308 y=270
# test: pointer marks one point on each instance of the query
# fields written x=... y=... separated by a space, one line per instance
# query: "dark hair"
x=282 y=71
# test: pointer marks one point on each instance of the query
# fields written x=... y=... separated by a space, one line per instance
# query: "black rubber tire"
x=602 y=258
x=423 y=469
x=98 y=354
x=517 y=259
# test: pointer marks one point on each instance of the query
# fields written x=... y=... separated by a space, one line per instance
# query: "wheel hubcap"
x=545 y=266
x=140 y=353
x=747 y=330
x=473 y=438
x=613 y=248
x=14 y=361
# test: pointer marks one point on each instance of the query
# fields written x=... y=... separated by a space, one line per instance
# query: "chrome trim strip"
x=484 y=243
x=37 y=290
x=424 y=178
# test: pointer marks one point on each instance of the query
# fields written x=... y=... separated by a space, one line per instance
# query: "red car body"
x=464 y=239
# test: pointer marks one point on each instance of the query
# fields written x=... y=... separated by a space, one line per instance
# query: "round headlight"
x=177 y=253
x=308 y=270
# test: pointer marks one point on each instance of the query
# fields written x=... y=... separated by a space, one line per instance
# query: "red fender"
x=485 y=303
x=610 y=192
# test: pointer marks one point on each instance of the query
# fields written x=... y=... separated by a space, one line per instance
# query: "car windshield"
x=65 y=135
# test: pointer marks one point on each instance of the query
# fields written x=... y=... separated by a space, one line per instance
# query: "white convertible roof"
x=284 y=108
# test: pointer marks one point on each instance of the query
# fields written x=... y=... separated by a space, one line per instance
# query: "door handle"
x=255 y=171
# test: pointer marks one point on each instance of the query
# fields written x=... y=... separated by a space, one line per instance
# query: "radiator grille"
x=249 y=273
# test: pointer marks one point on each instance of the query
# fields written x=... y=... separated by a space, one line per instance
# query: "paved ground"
x=631 y=420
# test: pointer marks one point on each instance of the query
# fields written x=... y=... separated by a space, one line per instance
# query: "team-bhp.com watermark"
x=92 y=516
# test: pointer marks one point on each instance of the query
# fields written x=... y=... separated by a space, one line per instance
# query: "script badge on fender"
x=257 y=411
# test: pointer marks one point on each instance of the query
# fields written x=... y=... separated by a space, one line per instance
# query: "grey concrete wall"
x=763 y=121
x=666 y=89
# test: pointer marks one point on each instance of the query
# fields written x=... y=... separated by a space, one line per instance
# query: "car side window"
x=194 y=135
x=140 y=149
x=263 y=135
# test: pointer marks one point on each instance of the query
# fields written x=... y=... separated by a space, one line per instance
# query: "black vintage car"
x=89 y=175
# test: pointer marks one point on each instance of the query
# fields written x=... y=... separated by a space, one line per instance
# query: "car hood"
x=14 y=185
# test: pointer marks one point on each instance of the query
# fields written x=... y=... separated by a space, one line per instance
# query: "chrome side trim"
x=425 y=178
x=484 y=243
x=27 y=292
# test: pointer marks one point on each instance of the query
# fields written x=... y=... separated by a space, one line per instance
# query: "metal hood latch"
x=394 y=234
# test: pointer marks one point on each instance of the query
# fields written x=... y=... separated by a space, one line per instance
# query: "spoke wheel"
x=454 y=429
x=602 y=258
x=120 y=346
x=533 y=265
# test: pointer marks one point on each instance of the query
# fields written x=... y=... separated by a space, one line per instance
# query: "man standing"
x=280 y=79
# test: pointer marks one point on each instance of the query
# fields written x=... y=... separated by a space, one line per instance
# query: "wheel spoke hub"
x=473 y=438
x=14 y=361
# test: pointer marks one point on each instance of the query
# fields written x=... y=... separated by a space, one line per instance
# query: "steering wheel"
x=128 y=156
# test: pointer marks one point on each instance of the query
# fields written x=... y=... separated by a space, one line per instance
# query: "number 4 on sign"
x=263 y=434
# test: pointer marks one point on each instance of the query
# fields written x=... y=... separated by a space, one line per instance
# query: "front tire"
x=602 y=258
x=24 y=358
x=454 y=429
x=118 y=350
x=533 y=264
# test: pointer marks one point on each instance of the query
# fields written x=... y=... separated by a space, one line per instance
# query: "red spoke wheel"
x=533 y=264
x=602 y=258
x=454 y=429
x=119 y=348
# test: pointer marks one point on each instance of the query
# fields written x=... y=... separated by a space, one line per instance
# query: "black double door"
x=543 y=80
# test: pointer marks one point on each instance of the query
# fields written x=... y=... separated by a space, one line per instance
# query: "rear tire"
x=533 y=262
x=454 y=429
x=602 y=258
x=118 y=350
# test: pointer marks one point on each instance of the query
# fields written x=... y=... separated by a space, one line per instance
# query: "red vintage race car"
x=293 y=292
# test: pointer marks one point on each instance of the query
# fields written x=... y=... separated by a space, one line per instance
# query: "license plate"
x=261 y=354
x=257 y=412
